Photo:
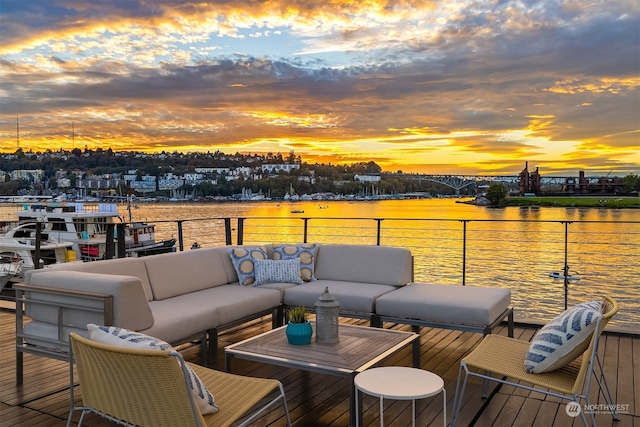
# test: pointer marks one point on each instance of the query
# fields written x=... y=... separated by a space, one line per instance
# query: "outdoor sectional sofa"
x=191 y=295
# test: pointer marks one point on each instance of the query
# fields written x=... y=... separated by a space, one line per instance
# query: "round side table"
x=399 y=383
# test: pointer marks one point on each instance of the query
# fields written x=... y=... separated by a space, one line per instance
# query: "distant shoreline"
x=576 y=202
x=615 y=202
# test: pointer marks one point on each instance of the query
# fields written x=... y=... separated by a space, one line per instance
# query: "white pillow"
x=563 y=339
x=119 y=337
x=275 y=271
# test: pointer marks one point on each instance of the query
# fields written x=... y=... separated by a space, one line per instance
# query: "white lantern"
x=327 y=315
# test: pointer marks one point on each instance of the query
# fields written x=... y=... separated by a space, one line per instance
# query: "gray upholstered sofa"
x=191 y=295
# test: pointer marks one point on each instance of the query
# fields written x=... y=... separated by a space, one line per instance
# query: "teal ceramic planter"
x=299 y=333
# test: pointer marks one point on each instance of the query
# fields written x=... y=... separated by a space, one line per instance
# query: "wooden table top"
x=359 y=348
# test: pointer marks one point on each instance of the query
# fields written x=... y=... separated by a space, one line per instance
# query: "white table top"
x=398 y=382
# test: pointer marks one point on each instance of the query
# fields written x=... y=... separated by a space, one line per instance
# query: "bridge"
x=458 y=182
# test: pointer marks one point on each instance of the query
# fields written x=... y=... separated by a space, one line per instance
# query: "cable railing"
x=516 y=254
x=592 y=258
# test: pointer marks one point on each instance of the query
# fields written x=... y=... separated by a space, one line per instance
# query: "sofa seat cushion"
x=352 y=296
x=181 y=317
x=381 y=265
x=233 y=302
x=445 y=303
x=279 y=286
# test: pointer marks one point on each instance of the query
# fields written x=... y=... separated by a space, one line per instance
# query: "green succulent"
x=297 y=314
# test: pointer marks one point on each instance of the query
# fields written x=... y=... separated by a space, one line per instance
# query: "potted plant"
x=299 y=329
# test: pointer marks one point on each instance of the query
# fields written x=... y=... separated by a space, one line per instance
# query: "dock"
x=321 y=400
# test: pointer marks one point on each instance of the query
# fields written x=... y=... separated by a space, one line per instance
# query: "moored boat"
x=141 y=241
x=19 y=253
x=86 y=227
x=10 y=267
x=557 y=275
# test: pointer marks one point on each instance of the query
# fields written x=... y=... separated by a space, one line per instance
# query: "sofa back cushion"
x=130 y=306
x=179 y=273
x=383 y=265
x=122 y=266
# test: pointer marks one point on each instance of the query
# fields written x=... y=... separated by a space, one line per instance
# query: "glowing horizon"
x=465 y=87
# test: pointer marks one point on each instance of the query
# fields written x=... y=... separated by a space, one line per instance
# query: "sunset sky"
x=461 y=87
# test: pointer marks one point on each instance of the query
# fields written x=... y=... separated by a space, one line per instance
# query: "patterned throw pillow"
x=243 y=262
x=305 y=251
x=563 y=339
x=274 y=271
x=120 y=337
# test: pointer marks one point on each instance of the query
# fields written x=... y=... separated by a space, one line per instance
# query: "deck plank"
x=322 y=400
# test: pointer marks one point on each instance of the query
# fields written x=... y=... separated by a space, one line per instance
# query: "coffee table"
x=359 y=348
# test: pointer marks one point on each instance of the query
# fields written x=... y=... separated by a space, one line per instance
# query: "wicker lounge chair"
x=149 y=388
x=504 y=357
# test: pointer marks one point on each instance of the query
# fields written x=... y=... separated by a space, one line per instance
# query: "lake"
x=453 y=243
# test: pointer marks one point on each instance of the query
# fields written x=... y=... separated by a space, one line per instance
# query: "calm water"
x=514 y=248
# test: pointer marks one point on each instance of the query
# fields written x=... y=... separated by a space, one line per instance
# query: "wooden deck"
x=321 y=400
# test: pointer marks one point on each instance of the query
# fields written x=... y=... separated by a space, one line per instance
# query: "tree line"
x=308 y=179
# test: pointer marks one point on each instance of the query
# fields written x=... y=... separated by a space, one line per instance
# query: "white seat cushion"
x=445 y=303
x=352 y=296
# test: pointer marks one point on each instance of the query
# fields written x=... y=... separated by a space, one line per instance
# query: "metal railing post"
x=306 y=230
x=120 y=232
x=227 y=232
x=241 y=230
x=180 y=236
x=379 y=221
x=109 y=242
x=566 y=265
x=36 y=252
x=464 y=251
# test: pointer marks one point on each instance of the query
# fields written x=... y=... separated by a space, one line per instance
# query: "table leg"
x=381 y=411
x=444 y=407
x=358 y=406
x=227 y=362
x=416 y=353
x=413 y=412
x=355 y=403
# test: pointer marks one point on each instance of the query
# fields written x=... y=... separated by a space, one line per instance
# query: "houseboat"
x=86 y=226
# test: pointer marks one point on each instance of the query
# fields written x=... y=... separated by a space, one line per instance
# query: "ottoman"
x=467 y=308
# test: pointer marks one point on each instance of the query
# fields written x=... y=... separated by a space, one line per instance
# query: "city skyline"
x=430 y=87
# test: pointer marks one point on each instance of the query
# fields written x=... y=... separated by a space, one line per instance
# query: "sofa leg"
x=375 y=321
x=19 y=367
x=510 y=323
x=277 y=318
x=204 y=357
x=213 y=346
